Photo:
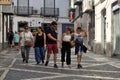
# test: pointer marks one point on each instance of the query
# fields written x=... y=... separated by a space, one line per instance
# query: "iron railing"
x=49 y=12
x=23 y=10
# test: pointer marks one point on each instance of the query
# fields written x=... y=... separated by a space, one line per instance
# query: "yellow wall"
x=5 y=2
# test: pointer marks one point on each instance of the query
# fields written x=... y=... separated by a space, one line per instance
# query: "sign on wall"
x=34 y=23
x=5 y=2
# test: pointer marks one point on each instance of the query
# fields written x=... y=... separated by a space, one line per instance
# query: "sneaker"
x=42 y=61
x=69 y=66
x=38 y=63
x=26 y=61
x=55 y=66
x=79 y=66
x=46 y=64
x=23 y=60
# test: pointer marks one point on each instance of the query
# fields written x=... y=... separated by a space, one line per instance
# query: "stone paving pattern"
x=95 y=67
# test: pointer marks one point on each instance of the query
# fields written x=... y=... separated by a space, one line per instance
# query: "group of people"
x=66 y=46
x=13 y=38
x=43 y=42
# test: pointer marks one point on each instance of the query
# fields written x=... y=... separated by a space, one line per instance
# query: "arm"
x=31 y=35
x=62 y=40
x=44 y=40
x=51 y=37
x=34 y=41
x=62 y=36
x=20 y=38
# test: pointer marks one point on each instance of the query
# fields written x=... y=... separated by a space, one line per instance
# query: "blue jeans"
x=39 y=54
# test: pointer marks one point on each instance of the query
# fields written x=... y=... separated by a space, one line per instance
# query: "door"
x=64 y=26
x=117 y=32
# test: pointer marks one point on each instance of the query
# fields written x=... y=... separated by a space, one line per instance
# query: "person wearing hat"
x=25 y=36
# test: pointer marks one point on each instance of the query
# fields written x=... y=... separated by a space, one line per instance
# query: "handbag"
x=27 y=43
x=72 y=43
x=84 y=48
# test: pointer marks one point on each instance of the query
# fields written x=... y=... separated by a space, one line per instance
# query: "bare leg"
x=48 y=56
x=47 y=60
x=79 y=61
x=55 y=58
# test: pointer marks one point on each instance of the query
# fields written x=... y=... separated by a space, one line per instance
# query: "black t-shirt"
x=39 y=40
x=53 y=33
x=10 y=35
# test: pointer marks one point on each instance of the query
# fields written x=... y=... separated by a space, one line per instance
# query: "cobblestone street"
x=95 y=67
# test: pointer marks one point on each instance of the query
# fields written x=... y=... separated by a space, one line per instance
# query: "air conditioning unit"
x=87 y=5
x=35 y=12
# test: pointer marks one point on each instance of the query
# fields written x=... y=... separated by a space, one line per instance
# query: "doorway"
x=21 y=25
x=117 y=32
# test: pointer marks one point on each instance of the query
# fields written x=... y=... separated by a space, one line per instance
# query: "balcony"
x=23 y=10
x=7 y=9
x=49 y=12
x=35 y=12
x=87 y=6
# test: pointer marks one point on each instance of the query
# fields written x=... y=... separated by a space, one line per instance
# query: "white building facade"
x=5 y=24
x=84 y=18
x=105 y=31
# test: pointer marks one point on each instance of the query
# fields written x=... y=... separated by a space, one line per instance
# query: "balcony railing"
x=23 y=10
x=49 y=12
x=7 y=9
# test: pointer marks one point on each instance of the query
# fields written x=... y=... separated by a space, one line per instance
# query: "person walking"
x=52 y=43
x=80 y=34
x=66 y=47
x=10 y=38
x=40 y=45
x=16 y=40
x=26 y=41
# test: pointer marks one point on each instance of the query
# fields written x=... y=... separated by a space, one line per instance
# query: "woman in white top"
x=80 y=34
x=65 y=50
x=26 y=35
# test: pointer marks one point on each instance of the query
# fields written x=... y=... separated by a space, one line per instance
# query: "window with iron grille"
x=49 y=9
x=23 y=8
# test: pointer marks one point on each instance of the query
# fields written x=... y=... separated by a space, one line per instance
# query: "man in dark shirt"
x=52 y=43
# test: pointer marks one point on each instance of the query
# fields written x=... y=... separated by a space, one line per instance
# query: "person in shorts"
x=16 y=40
x=51 y=34
x=79 y=35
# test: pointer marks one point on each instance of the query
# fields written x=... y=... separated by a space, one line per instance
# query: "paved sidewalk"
x=95 y=67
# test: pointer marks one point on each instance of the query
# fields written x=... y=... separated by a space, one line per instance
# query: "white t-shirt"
x=26 y=36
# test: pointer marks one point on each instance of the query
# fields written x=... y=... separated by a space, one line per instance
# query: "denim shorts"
x=78 y=46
